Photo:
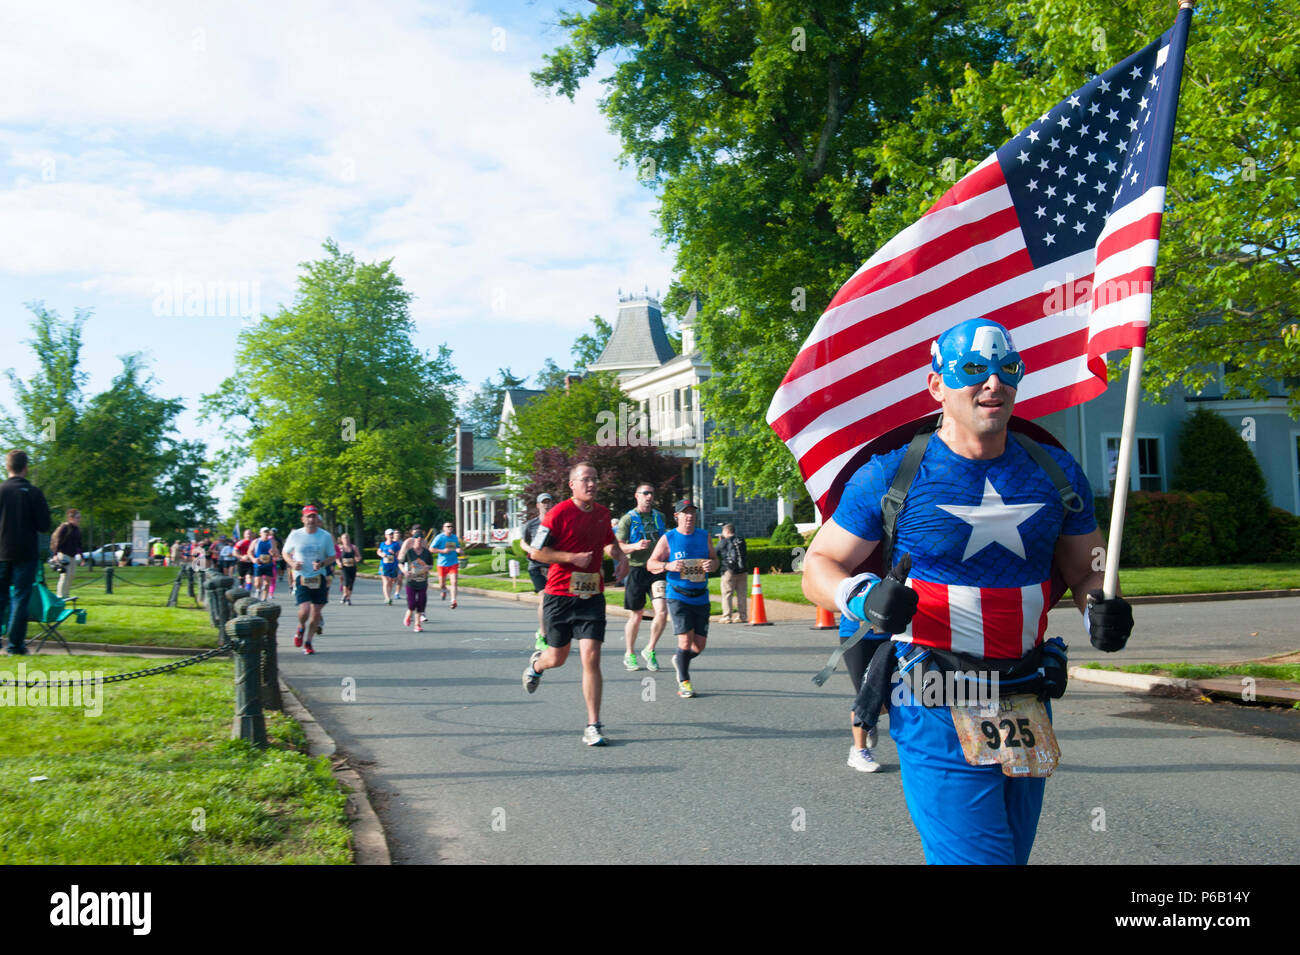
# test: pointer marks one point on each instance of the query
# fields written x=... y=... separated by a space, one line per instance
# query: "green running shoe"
x=651 y=663
x=629 y=662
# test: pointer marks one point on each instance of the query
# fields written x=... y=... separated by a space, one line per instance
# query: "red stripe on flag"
x=1125 y=237
x=968 y=187
x=864 y=429
x=928 y=255
x=900 y=316
x=932 y=625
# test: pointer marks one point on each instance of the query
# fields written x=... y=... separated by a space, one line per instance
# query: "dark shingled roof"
x=519 y=397
x=638 y=340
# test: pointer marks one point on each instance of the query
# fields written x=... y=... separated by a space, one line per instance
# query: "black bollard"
x=108 y=579
x=246 y=635
x=176 y=588
x=270 y=612
x=218 y=607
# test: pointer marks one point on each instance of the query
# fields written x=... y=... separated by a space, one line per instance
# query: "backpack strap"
x=1069 y=497
x=892 y=502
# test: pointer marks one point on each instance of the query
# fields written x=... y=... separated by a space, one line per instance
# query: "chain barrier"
x=134 y=675
x=118 y=578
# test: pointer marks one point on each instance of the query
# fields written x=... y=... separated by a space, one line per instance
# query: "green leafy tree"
x=560 y=420
x=106 y=454
x=183 y=497
x=749 y=119
x=1228 y=277
x=588 y=346
x=334 y=398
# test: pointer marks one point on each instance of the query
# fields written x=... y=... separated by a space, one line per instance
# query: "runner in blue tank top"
x=688 y=557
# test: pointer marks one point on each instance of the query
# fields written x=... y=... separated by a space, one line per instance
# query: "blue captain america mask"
x=968 y=353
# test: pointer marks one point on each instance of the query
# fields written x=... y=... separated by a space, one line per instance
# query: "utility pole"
x=460 y=527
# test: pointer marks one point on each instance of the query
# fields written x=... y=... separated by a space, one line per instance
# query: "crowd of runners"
x=964 y=528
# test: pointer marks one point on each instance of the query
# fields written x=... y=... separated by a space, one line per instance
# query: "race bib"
x=311 y=582
x=693 y=570
x=349 y=561
x=1013 y=732
x=264 y=558
x=658 y=589
x=584 y=585
x=417 y=570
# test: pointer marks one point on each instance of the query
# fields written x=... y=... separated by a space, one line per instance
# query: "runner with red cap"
x=309 y=550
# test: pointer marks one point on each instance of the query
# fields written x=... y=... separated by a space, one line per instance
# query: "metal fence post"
x=270 y=612
x=246 y=635
x=108 y=579
x=176 y=588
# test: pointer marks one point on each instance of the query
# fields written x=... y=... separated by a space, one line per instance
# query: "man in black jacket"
x=23 y=515
x=734 y=555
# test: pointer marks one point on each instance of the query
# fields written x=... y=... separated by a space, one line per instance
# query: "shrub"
x=786 y=534
x=1174 y=529
x=1213 y=457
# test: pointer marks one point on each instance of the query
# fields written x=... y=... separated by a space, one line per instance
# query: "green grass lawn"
x=123 y=787
x=136 y=613
x=1137 y=581
x=1207 y=671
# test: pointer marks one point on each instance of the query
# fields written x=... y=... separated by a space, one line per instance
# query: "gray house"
x=1091 y=432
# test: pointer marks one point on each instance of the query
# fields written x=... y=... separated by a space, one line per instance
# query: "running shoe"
x=418 y=628
x=531 y=677
x=860 y=759
x=593 y=736
x=539 y=641
x=453 y=605
x=685 y=690
x=297 y=638
x=444 y=593
x=651 y=663
x=388 y=602
x=629 y=662
x=308 y=649
x=406 y=620
x=872 y=739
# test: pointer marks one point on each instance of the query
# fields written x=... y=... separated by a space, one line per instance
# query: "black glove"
x=891 y=604
x=1055 y=668
x=1109 y=621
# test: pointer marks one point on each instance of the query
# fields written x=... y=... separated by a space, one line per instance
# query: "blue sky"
x=215 y=144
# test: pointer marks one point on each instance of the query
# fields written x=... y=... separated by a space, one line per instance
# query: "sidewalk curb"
x=1209 y=597
x=1152 y=685
x=369 y=842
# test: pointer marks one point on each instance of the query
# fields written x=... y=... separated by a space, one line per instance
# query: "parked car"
x=108 y=554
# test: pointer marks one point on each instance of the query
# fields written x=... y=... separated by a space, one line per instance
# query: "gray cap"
x=544 y=497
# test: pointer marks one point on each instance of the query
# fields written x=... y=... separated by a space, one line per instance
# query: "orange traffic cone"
x=825 y=620
x=757 y=612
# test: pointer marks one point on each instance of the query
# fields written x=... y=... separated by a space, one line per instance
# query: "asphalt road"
x=464 y=767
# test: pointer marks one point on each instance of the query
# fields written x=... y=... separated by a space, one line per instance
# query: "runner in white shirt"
x=309 y=551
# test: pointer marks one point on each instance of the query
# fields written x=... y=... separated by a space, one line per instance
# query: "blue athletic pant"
x=966 y=815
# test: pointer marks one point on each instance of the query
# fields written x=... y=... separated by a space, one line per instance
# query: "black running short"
x=689 y=618
x=245 y=567
x=349 y=577
x=640 y=584
x=538 y=576
x=573 y=618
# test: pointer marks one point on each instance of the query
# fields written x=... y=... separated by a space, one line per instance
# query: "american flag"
x=1054 y=235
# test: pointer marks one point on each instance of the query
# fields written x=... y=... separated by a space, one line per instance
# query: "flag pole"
x=1119 y=503
x=1120 y=489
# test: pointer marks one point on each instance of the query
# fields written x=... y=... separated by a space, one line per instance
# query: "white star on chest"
x=993 y=522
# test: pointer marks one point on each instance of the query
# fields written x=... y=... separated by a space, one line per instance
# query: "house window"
x=726 y=496
x=1147 y=471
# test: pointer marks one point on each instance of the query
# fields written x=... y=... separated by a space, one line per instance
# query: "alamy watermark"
x=78 y=689
x=1072 y=295
x=222 y=298
x=950 y=688
x=632 y=428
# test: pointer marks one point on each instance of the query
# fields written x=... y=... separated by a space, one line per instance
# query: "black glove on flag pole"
x=1054 y=235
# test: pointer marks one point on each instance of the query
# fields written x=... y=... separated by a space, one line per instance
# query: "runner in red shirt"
x=572 y=538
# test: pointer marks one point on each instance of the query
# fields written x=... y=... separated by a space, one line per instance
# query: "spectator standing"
x=23 y=515
x=65 y=548
x=734 y=556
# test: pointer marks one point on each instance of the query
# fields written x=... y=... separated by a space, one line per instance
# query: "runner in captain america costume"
x=982 y=525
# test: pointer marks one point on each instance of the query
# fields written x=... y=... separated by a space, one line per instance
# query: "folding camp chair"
x=47 y=610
